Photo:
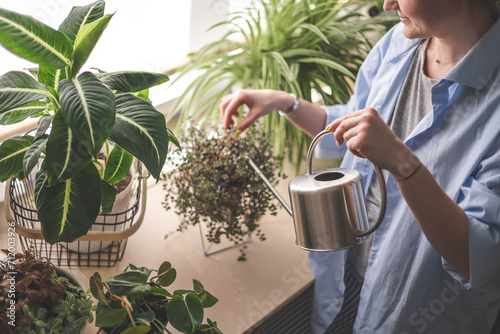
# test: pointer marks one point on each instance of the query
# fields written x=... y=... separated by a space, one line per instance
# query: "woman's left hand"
x=367 y=136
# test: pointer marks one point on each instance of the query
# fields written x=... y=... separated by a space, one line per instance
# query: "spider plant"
x=312 y=48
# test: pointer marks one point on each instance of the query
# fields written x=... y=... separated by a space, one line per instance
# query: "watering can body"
x=329 y=210
x=328 y=206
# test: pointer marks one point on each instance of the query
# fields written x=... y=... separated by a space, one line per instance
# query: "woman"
x=426 y=108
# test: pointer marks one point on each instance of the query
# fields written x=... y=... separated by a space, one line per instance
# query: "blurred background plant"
x=312 y=48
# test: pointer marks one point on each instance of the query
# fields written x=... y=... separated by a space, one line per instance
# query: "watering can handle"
x=380 y=177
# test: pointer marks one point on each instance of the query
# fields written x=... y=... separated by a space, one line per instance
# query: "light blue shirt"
x=409 y=287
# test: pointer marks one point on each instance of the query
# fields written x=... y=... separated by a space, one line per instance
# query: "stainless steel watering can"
x=328 y=206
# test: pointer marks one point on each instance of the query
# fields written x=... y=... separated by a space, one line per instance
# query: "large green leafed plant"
x=312 y=48
x=78 y=114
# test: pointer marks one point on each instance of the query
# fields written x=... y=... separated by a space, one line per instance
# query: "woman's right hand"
x=259 y=102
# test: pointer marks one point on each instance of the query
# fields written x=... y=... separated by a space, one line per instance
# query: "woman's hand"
x=259 y=102
x=367 y=136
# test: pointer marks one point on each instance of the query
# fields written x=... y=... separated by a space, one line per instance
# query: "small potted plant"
x=210 y=181
x=78 y=113
x=36 y=297
x=136 y=302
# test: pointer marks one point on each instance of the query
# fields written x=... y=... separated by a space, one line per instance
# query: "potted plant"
x=36 y=297
x=136 y=301
x=78 y=113
x=310 y=48
x=210 y=181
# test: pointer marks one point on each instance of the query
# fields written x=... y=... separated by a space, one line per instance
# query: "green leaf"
x=141 y=329
x=68 y=209
x=210 y=300
x=32 y=155
x=85 y=42
x=131 y=283
x=118 y=165
x=76 y=326
x=160 y=292
x=79 y=16
x=144 y=318
x=97 y=288
x=164 y=267
x=88 y=107
x=108 y=195
x=329 y=63
x=33 y=40
x=17 y=89
x=140 y=129
x=43 y=125
x=172 y=138
x=51 y=76
x=109 y=317
x=19 y=114
x=315 y=30
x=167 y=278
x=185 y=315
x=126 y=81
x=11 y=155
x=65 y=155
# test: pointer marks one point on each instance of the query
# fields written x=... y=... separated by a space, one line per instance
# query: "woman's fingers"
x=229 y=109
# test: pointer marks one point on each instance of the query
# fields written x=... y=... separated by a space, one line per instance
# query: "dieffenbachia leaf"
x=133 y=81
x=33 y=154
x=69 y=209
x=11 y=155
x=18 y=89
x=86 y=40
x=51 y=76
x=79 y=16
x=65 y=155
x=88 y=107
x=117 y=165
x=32 y=40
x=43 y=125
x=140 y=129
x=19 y=114
x=185 y=315
x=108 y=195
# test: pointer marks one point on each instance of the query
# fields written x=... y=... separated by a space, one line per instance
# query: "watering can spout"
x=270 y=186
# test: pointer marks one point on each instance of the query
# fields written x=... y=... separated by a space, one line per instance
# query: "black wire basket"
x=103 y=246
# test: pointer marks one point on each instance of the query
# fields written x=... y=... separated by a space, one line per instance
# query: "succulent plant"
x=43 y=301
x=211 y=182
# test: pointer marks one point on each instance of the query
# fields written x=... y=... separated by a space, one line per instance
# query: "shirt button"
x=336 y=302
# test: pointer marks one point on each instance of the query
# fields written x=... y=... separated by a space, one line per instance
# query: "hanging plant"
x=210 y=182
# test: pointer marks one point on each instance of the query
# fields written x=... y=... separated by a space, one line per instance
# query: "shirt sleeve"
x=479 y=197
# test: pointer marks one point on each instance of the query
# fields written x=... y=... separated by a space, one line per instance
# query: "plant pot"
x=108 y=222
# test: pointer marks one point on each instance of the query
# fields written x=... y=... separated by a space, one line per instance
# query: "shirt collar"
x=478 y=65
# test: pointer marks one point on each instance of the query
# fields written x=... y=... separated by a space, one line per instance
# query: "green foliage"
x=134 y=302
x=84 y=111
x=46 y=302
x=211 y=182
x=312 y=48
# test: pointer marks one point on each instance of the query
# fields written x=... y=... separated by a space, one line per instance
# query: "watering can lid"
x=326 y=178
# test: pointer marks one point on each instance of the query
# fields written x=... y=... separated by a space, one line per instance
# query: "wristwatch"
x=294 y=106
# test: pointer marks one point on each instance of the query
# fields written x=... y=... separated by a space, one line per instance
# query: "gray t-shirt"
x=413 y=104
